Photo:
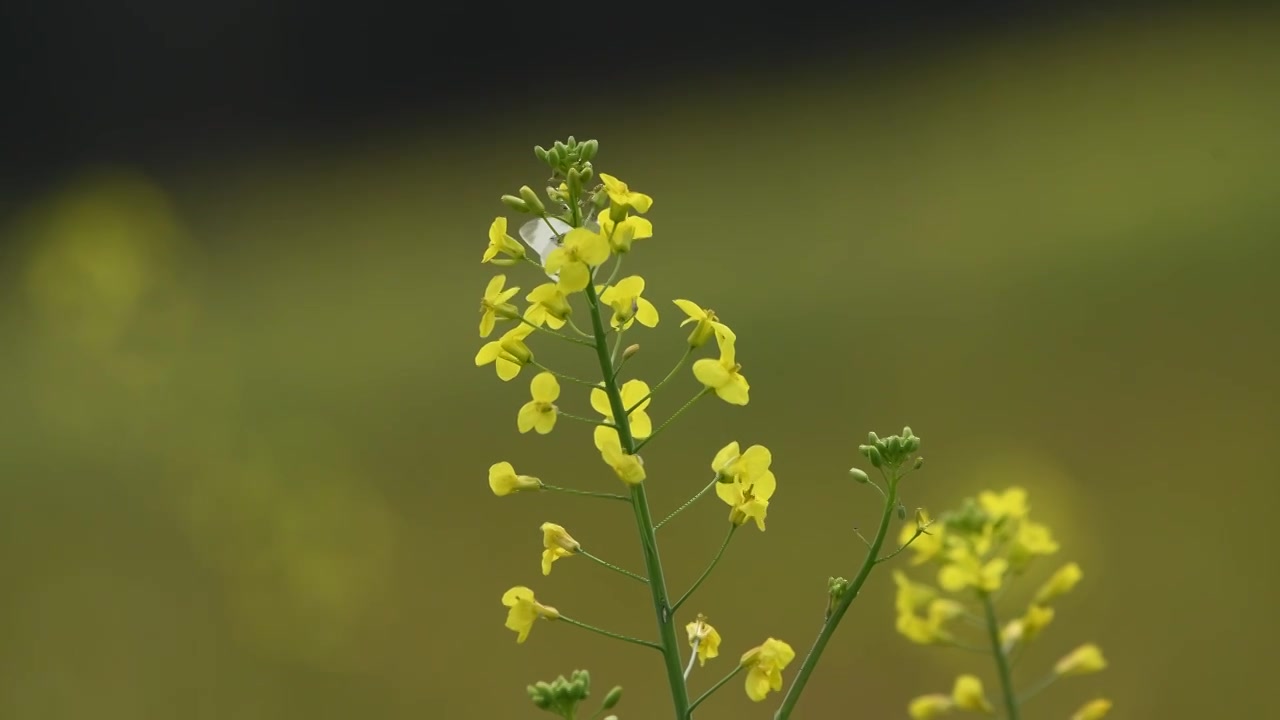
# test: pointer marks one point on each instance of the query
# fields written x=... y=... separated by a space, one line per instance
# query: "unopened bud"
x=515 y=203
x=919 y=463
x=859 y=476
x=540 y=152
x=616 y=693
x=630 y=351
x=873 y=454
x=575 y=183
x=503 y=261
x=902 y=511
x=589 y=149
x=532 y=200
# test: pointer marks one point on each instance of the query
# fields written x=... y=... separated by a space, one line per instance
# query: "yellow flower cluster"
x=598 y=227
x=977 y=550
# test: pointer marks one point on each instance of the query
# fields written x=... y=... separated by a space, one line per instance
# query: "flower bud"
x=532 y=200
x=873 y=454
x=919 y=463
x=575 y=183
x=589 y=149
x=630 y=351
x=541 y=153
x=859 y=476
x=503 y=261
x=902 y=511
x=515 y=203
x=615 y=694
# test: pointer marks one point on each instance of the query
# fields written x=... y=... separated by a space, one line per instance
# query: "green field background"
x=243 y=444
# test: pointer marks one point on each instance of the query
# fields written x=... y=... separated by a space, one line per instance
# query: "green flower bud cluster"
x=893 y=451
x=561 y=696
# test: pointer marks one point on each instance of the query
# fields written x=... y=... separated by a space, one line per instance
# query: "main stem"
x=1002 y=660
x=644 y=521
x=828 y=628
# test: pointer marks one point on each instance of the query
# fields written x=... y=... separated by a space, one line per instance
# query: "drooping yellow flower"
x=524 y=611
x=707 y=324
x=508 y=353
x=966 y=570
x=968 y=694
x=632 y=392
x=704 y=639
x=581 y=250
x=745 y=482
x=503 y=480
x=1037 y=618
x=548 y=304
x=629 y=468
x=540 y=412
x=1083 y=660
x=1093 y=710
x=624 y=298
x=1061 y=583
x=923 y=548
x=723 y=374
x=557 y=543
x=622 y=234
x=494 y=304
x=764 y=667
x=927 y=707
x=1012 y=503
x=621 y=195
x=501 y=242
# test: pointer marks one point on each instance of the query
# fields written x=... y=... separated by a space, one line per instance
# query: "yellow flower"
x=745 y=482
x=632 y=392
x=966 y=570
x=494 y=304
x=548 y=304
x=501 y=242
x=722 y=375
x=1083 y=660
x=1032 y=539
x=628 y=467
x=1093 y=710
x=622 y=234
x=540 y=412
x=968 y=694
x=503 y=480
x=927 y=707
x=1036 y=619
x=1011 y=503
x=581 y=250
x=911 y=595
x=524 y=611
x=704 y=639
x=624 y=298
x=557 y=543
x=707 y=323
x=764 y=667
x=508 y=353
x=1060 y=583
x=620 y=194
x=924 y=548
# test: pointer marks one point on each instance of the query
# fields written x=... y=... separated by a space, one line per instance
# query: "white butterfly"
x=541 y=239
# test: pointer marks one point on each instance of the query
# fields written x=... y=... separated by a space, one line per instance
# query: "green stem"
x=671 y=419
x=614 y=635
x=617 y=262
x=562 y=336
x=732 y=674
x=837 y=613
x=705 y=573
x=562 y=376
x=689 y=502
x=683 y=359
x=617 y=345
x=579 y=418
x=907 y=544
x=670 y=644
x=588 y=493
x=1034 y=690
x=576 y=329
x=1002 y=661
x=611 y=566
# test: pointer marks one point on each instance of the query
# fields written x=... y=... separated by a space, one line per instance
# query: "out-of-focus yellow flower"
x=632 y=392
x=1083 y=660
x=966 y=570
x=1037 y=618
x=524 y=611
x=703 y=637
x=501 y=242
x=494 y=304
x=581 y=250
x=624 y=298
x=1093 y=710
x=621 y=195
x=628 y=467
x=968 y=694
x=927 y=707
x=923 y=548
x=548 y=304
x=540 y=412
x=911 y=595
x=707 y=324
x=1059 y=584
x=764 y=667
x=1032 y=539
x=622 y=234
x=745 y=482
x=557 y=543
x=1011 y=503
x=723 y=374
x=503 y=480
x=508 y=353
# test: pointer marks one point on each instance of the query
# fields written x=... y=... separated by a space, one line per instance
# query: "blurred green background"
x=243 y=444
